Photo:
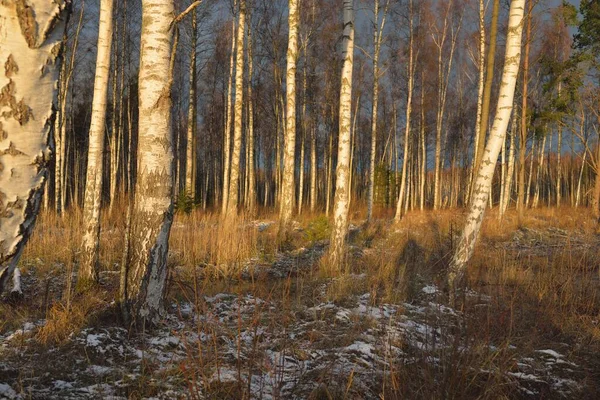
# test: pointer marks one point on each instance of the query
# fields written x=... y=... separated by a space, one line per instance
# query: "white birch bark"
x=341 y=203
x=480 y=88
x=234 y=179
x=377 y=39
x=411 y=73
x=228 y=122
x=511 y=166
x=289 y=152
x=88 y=264
x=485 y=174
x=152 y=212
x=30 y=43
x=251 y=169
x=313 y=170
x=190 y=154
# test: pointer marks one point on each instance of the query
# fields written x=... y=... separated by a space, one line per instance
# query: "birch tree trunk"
x=289 y=154
x=251 y=169
x=228 y=122
x=341 y=204
x=30 y=43
x=523 y=136
x=485 y=174
x=190 y=154
x=152 y=212
x=411 y=73
x=234 y=180
x=377 y=39
x=511 y=165
x=313 y=169
x=88 y=264
x=487 y=91
x=480 y=90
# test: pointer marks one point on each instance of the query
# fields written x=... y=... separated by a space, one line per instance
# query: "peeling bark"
x=30 y=42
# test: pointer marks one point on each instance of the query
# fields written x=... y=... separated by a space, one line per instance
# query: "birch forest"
x=299 y=199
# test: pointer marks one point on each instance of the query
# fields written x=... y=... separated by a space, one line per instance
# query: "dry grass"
x=544 y=289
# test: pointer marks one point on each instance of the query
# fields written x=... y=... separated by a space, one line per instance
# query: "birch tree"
x=30 y=44
x=341 y=203
x=377 y=40
x=411 y=80
x=485 y=173
x=234 y=180
x=289 y=155
x=190 y=154
x=152 y=212
x=88 y=264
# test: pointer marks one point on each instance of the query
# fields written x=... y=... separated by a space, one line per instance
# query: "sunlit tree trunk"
x=340 y=204
x=88 y=264
x=234 y=180
x=521 y=204
x=152 y=212
x=485 y=174
x=289 y=152
x=190 y=154
x=30 y=43
x=487 y=91
x=313 y=169
x=251 y=166
x=377 y=40
x=511 y=165
x=228 y=121
x=411 y=74
x=480 y=90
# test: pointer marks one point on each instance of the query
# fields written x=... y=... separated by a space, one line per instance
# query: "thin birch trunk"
x=228 y=121
x=481 y=191
x=250 y=143
x=411 y=73
x=88 y=263
x=521 y=203
x=341 y=205
x=511 y=165
x=313 y=169
x=190 y=154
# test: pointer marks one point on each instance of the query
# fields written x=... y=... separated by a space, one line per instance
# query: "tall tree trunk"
x=523 y=136
x=511 y=164
x=423 y=147
x=228 y=121
x=234 y=180
x=30 y=44
x=88 y=264
x=480 y=90
x=250 y=143
x=289 y=152
x=377 y=40
x=313 y=169
x=190 y=154
x=152 y=212
x=411 y=73
x=485 y=174
x=341 y=205
x=487 y=91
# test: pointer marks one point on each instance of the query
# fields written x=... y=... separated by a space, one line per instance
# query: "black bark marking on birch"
x=10 y=66
x=3 y=135
x=29 y=27
x=17 y=109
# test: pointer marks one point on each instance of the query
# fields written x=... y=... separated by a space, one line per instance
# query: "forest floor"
x=248 y=318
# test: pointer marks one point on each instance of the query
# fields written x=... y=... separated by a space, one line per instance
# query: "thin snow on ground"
x=277 y=351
